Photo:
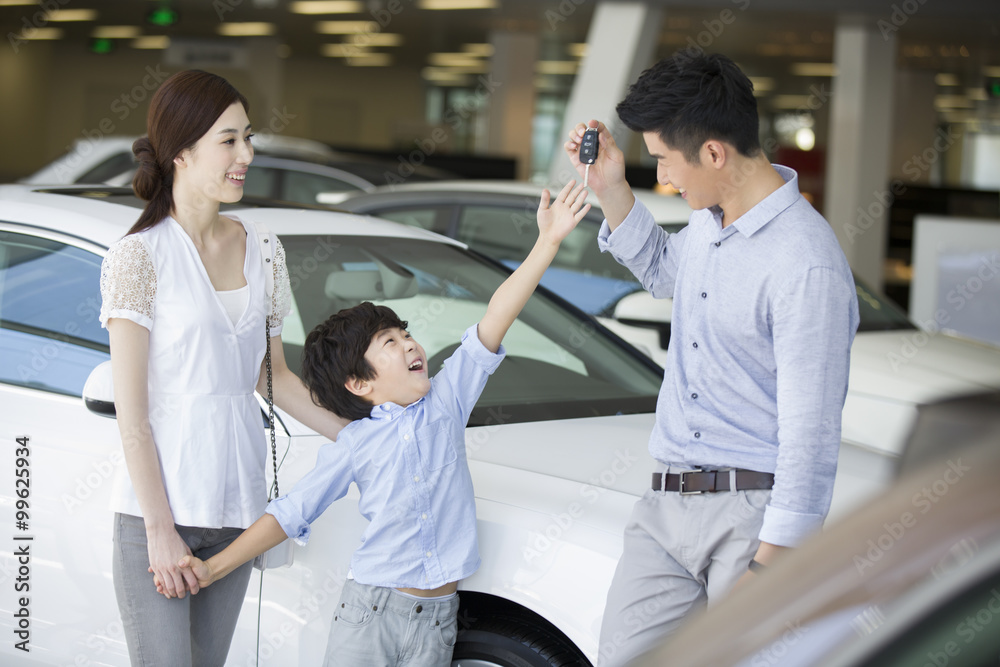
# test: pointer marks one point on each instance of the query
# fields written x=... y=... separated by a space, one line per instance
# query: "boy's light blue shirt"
x=409 y=464
x=764 y=315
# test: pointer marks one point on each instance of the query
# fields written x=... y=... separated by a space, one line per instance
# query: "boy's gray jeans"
x=195 y=630
x=680 y=553
x=381 y=627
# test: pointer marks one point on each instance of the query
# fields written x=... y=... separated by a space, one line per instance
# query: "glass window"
x=580 y=273
x=116 y=165
x=50 y=300
x=432 y=218
x=262 y=182
x=558 y=365
x=302 y=187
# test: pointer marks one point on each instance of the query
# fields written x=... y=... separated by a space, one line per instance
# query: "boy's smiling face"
x=400 y=365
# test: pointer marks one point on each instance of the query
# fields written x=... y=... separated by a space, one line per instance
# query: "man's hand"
x=608 y=172
x=555 y=222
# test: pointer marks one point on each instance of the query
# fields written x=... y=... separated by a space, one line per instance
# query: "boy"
x=405 y=451
x=764 y=315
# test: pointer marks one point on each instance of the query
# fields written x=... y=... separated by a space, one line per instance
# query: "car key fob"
x=588 y=146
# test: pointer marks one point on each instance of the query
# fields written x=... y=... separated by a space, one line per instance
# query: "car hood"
x=916 y=367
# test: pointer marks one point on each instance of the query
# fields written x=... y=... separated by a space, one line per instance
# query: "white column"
x=621 y=43
x=512 y=105
x=858 y=191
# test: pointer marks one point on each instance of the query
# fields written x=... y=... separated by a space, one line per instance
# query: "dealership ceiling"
x=786 y=45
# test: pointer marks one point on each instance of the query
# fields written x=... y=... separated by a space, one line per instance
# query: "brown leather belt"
x=710 y=481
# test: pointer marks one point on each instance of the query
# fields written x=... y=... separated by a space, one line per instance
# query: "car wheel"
x=513 y=643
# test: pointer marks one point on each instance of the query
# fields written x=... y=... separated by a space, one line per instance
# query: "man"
x=756 y=375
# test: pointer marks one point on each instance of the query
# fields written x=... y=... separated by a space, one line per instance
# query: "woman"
x=185 y=304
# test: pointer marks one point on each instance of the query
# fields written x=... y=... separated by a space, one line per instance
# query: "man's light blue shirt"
x=764 y=314
x=416 y=491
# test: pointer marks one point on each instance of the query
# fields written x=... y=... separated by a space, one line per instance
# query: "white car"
x=894 y=366
x=557 y=444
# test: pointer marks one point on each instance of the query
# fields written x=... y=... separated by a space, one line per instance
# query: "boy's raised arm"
x=555 y=222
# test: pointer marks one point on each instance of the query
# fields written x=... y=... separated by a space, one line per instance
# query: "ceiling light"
x=346 y=27
x=375 y=39
x=151 y=42
x=116 y=32
x=478 y=50
x=342 y=50
x=246 y=29
x=952 y=102
x=67 y=15
x=556 y=66
x=454 y=60
x=762 y=84
x=41 y=34
x=326 y=7
x=577 y=50
x=945 y=79
x=370 y=60
x=991 y=71
x=443 y=76
x=457 y=4
x=805 y=138
x=18 y=3
x=814 y=69
x=790 y=101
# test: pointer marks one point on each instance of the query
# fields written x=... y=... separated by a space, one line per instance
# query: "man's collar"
x=770 y=206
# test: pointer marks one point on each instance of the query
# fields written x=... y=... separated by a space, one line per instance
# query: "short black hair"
x=688 y=99
x=334 y=352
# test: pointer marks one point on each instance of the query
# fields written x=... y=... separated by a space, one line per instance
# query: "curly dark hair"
x=334 y=352
x=688 y=99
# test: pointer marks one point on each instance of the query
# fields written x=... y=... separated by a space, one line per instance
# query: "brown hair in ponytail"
x=183 y=109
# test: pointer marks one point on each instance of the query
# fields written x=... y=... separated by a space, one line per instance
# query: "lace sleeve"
x=281 y=298
x=128 y=283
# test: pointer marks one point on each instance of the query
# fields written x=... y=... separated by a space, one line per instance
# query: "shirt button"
x=424 y=515
x=406 y=437
x=695 y=345
x=694 y=396
x=718 y=243
x=429 y=554
x=697 y=434
x=704 y=295
x=420 y=608
x=416 y=478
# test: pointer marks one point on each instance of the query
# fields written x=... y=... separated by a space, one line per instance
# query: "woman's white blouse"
x=203 y=369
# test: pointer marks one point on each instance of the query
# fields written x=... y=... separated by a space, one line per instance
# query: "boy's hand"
x=555 y=222
x=609 y=170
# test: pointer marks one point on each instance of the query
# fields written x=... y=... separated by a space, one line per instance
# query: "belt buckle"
x=680 y=477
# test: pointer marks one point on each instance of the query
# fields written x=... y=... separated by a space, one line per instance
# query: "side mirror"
x=99 y=391
x=640 y=309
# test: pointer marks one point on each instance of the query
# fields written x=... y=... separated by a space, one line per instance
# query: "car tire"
x=513 y=643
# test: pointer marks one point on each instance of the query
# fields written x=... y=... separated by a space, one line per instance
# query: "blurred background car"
x=911 y=579
x=284 y=168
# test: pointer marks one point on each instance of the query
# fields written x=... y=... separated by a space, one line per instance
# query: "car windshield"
x=559 y=365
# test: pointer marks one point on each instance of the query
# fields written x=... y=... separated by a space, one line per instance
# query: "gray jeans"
x=381 y=627
x=680 y=553
x=194 y=631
